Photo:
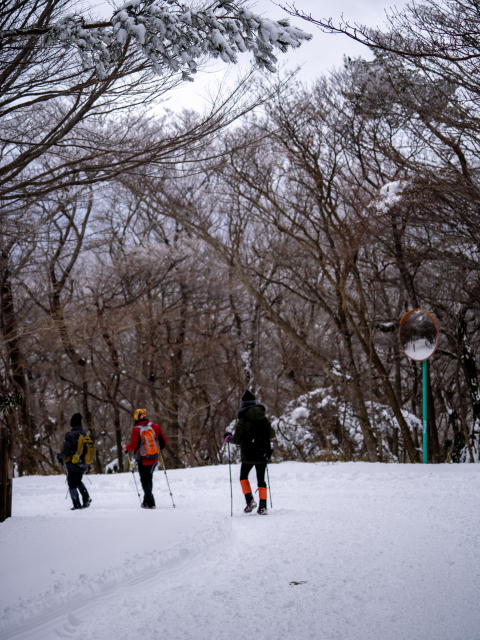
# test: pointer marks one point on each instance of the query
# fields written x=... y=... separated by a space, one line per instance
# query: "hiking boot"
x=76 y=504
x=250 y=506
x=87 y=501
x=262 y=509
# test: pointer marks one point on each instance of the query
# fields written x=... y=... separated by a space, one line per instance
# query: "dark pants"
x=259 y=468
x=74 y=479
x=145 y=472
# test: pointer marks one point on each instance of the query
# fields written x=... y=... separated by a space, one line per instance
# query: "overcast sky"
x=317 y=56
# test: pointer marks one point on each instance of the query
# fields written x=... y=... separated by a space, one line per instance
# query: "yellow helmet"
x=140 y=414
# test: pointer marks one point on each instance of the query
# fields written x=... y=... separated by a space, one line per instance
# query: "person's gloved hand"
x=228 y=436
x=59 y=458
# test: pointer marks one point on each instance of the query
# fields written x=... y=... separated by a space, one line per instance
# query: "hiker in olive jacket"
x=74 y=471
x=253 y=433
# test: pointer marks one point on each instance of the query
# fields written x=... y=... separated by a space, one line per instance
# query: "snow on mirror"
x=419 y=334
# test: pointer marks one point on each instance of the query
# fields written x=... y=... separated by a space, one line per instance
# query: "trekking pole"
x=269 y=490
x=165 y=471
x=231 y=491
x=66 y=479
x=134 y=479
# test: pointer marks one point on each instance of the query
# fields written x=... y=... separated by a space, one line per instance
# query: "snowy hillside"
x=377 y=552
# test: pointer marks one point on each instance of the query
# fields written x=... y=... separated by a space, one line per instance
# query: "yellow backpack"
x=85 y=450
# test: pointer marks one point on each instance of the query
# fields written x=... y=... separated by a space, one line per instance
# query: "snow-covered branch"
x=171 y=36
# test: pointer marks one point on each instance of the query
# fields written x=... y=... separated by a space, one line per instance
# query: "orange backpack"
x=149 y=447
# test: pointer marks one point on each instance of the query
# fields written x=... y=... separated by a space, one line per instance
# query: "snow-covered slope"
x=383 y=551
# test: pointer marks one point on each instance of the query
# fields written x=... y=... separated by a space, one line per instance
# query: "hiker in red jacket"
x=147 y=441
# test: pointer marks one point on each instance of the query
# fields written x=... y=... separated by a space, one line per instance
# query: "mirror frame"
x=404 y=317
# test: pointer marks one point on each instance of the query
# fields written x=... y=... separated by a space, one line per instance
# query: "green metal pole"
x=425 y=365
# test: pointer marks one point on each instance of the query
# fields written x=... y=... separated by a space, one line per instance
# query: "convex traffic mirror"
x=419 y=334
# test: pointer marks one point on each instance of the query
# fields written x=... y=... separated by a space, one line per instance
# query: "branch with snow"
x=171 y=36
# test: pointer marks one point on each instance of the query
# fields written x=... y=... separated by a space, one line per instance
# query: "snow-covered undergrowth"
x=320 y=425
x=377 y=551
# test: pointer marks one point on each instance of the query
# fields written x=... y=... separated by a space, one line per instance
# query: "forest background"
x=271 y=242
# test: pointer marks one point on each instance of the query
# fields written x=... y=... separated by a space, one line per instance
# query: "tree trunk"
x=469 y=366
x=6 y=473
x=109 y=341
x=174 y=385
x=27 y=462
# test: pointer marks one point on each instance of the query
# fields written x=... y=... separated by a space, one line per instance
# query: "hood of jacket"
x=78 y=428
x=257 y=412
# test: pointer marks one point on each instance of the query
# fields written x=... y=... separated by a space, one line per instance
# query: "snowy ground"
x=387 y=552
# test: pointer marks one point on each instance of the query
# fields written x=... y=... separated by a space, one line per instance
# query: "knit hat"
x=76 y=420
x=140 y=414
x=248 y=399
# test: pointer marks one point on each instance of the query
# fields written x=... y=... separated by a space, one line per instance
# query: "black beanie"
x=248 y=399
x=76 y=420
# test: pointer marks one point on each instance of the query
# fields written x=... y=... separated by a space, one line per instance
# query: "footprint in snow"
x=74 y=620
x=69 y=627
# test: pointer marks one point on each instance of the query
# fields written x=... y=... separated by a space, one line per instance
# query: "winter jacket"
x=70 y=445
x=247 y=421
x=134 y=444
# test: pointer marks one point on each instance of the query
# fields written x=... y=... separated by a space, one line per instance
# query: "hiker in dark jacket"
x=74 y=471
x=253 y=433
x=146 y=463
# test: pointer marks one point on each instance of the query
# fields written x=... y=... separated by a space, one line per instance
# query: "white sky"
x=317 y=56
